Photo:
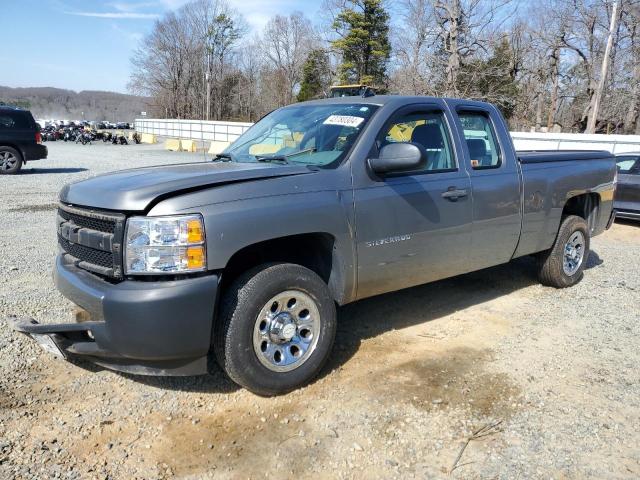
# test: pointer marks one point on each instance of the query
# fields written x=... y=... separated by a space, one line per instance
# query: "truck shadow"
x=39 y=171
x=374 y=316
x=627 y=221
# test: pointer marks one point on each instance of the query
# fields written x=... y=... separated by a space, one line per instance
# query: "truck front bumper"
x=140 y=327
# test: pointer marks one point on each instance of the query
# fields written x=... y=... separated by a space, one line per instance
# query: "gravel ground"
x=536 y=382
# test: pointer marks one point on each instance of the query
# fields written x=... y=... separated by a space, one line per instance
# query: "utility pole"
x=208 y=80
x=593 y=115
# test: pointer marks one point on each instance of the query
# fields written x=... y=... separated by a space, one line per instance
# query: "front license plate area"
x=47 y=344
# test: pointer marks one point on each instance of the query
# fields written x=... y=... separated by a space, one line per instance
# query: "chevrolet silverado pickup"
x=319 y=204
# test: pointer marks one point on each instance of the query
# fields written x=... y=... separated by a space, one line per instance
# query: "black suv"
x=20 y=140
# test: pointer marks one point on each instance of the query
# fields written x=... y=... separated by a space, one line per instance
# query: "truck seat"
x=430 y=137
x=477 y=151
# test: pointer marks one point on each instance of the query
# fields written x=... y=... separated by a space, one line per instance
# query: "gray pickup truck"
x=317 y=205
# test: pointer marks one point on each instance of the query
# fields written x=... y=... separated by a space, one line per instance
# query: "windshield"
x=319 y=135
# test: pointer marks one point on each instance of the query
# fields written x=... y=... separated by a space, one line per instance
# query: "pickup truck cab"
x=317 y=205
x=20 y=140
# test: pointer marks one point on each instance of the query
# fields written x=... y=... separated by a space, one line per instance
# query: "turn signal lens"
x=194 y=231
x=195 y=258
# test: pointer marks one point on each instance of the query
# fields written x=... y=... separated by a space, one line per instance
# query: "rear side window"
x=626 y=164
x=427 y=129
x=6 y=121
x=14 y=120
x=481 y=139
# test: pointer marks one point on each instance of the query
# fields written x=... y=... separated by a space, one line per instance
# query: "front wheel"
x=276 y=328
x=563 y=265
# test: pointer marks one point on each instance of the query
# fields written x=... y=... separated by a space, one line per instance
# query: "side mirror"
x=399 y=157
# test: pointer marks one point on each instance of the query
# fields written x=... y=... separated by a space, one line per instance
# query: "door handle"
x=454 y=194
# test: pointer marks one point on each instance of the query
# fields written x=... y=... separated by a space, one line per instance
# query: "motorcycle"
x=84 y=138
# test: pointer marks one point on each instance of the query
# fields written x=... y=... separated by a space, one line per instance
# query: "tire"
x=239 y=342
x=10 y=161
x=553 y=270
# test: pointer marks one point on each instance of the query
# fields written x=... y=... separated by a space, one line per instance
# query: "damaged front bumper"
x=139 y=327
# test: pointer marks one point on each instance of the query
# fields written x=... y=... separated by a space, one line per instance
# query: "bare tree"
x=288 y=40
x=541 y=65
x=414 y=42
x=631 y=23
x=597 y=96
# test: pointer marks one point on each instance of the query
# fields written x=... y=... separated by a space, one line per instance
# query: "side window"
x=481 y=139
x=626 y=164
x=429 y=130
x=14 y=120
x=6 y=121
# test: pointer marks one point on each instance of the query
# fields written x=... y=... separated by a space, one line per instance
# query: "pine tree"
x=494 y=79
x=364 y=42
x=315 y=75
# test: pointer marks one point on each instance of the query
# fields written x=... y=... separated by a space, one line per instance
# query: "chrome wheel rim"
x=7 y=161
x=286 y=331
x=573 y=253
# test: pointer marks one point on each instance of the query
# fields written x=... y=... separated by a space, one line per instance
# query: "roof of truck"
x=396 y=99
x=11 y=108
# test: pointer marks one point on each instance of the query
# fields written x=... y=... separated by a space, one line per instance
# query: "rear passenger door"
x=410 y=227
x=495 y=185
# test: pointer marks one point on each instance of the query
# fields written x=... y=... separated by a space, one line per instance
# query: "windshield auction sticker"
x=344 y=120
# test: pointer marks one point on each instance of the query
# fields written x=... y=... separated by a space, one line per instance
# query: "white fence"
x=230 y=131
x=192 y=129
x=576 y=141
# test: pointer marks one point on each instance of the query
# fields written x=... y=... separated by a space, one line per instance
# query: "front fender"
x=237 y=224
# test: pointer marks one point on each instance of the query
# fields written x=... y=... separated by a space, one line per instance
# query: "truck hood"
x=137 y=189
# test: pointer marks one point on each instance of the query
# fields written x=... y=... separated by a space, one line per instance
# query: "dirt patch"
x=413 y=374
x=455 y=380
x=45 y=207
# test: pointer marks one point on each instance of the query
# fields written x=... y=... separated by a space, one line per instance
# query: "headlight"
x=162 y=245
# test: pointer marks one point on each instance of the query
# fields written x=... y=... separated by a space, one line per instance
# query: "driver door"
x=409 y=228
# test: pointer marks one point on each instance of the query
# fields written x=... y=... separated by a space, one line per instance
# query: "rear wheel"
x=563 y=265
x=277 y=326
x=10 y=161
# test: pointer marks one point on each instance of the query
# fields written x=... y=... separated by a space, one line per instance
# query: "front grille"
x=86 y=254
x=92 y=239
x=106 y=226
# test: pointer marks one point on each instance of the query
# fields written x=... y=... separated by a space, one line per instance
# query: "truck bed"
x=549 y=181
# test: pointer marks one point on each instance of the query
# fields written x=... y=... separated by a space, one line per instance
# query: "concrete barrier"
x=264 y=148
x=218 y=147
x=148 y=138
x=188 y=146
x=172 y=144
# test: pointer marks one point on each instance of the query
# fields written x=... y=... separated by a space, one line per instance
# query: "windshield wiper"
x=283 y=158
x=306 y=150
x=223 y=157
x=272 y=158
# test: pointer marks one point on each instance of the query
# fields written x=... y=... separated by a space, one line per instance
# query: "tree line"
x=60 y=104
x=561 y=65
